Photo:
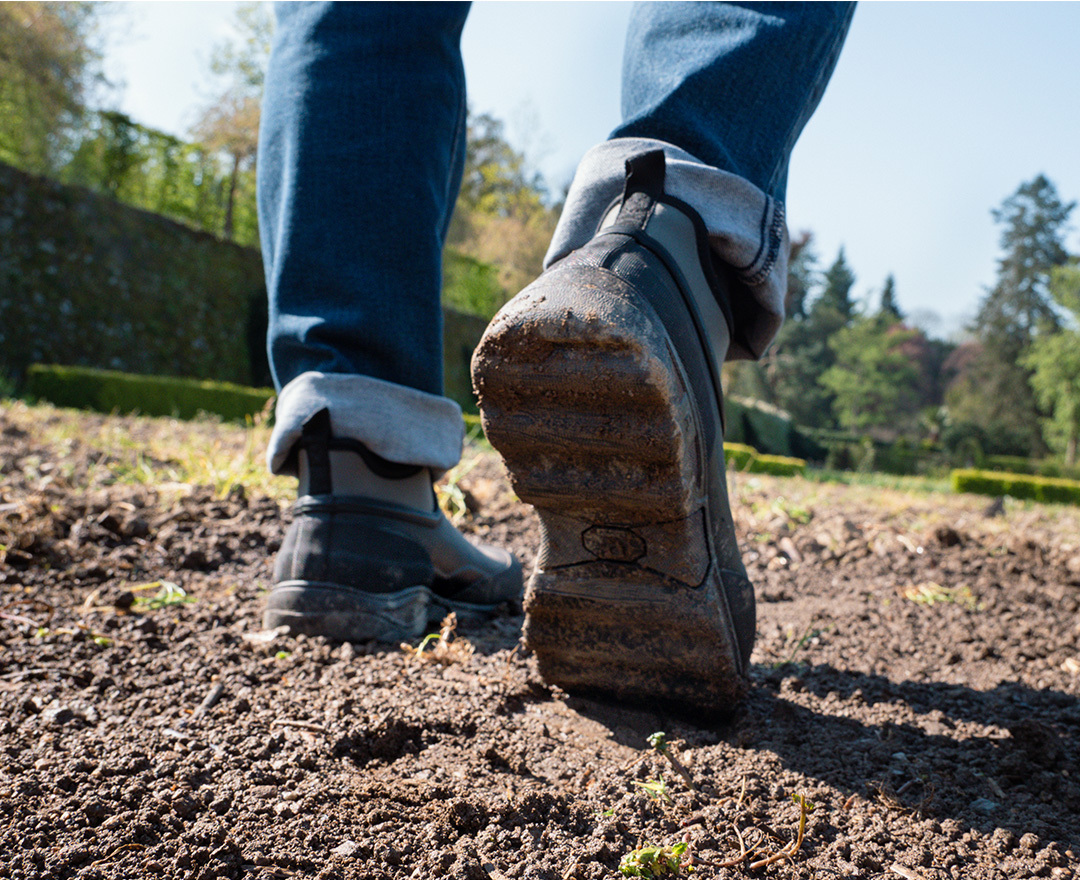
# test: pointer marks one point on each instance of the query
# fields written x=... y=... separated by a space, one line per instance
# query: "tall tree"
x=49 y=64
x=229 y=125
x=1034 y=221
x=890 y=308
x=834 y=305
x=802 y=353
x=994 y=392
x=1054 y=361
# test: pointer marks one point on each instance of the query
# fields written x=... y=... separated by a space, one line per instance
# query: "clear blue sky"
x=936 y=113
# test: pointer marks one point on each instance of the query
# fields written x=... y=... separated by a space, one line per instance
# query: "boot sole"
x=586 y=400
x=348 y=615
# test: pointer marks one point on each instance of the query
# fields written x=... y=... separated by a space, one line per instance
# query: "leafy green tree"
x=1054 y=361
x=49 y=66
x=147 y=168
x=874 y=377
x=229 y=125
x=502 y=216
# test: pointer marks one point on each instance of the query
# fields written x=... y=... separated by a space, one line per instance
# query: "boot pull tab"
x=644 y=187
x=315 y=441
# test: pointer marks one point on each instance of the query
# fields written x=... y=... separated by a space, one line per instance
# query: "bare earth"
x=916 y=679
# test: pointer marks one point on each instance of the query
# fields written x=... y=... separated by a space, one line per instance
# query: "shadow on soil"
x=1004 y=758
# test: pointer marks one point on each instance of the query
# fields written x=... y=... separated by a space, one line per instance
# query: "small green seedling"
x=449 y=493
x=653 y=862
x=931 y=594
x=283 y=655
x=659 y=741
x=168 y=594
x=656 y=789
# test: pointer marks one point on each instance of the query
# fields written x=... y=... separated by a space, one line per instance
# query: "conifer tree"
x=889 y=308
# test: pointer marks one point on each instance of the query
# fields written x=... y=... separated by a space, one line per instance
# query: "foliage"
x=889 y=309
x=470 y=285
x=49 y=65
x=834 y=306
x=739 y=455
x=802 y=275
x=168 y=594
x=112 y=391
x=993 y=391
x=1046 y=467
x=89 y=281
x=158 y=172
x=228 y=127
x=801 y=353
x=777 y=465
x=873 y=379
x=766 y=428
x=1018 y=306
x=1054 y=361
x=1044 y=489
x=653 y=862
x=501 y=217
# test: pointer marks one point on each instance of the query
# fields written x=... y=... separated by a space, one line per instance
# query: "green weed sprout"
x=653 y=862
x=656 y=789
x=659 y=741
x=168 y=594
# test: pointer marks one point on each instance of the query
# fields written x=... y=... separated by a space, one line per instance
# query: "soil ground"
x=916 y=678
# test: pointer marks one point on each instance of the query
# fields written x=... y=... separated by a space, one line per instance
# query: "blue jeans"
x=360 y=159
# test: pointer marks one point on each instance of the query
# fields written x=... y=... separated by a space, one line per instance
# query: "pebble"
x=984 y=805
x=347 y=847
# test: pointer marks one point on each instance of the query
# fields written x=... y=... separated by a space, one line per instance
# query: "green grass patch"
x=1047 y=490
x=877 y=480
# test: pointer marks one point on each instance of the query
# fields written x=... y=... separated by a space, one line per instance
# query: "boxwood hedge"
x=996 y=483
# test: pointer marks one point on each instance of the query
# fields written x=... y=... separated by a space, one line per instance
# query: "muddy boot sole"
x=583 y=394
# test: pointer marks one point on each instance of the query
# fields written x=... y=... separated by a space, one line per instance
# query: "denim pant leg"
x=361 y=150
x=724 y=89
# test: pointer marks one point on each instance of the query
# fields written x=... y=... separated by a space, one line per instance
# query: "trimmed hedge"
x=995 y=483
x=742 y=457
x=778 y=466
x=1046 y=467
x=108 y=391
x=739 y=455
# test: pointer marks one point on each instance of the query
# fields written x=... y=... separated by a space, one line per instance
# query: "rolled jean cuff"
x=399 y=423
x=746 y=228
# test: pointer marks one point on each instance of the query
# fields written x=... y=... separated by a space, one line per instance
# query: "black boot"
x=369 y=555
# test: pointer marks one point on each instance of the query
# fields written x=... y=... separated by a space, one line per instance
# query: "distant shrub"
x=1046 y=467
x=1033 y=488
x=777 y=465
x=739 y=455
x=108 y=391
